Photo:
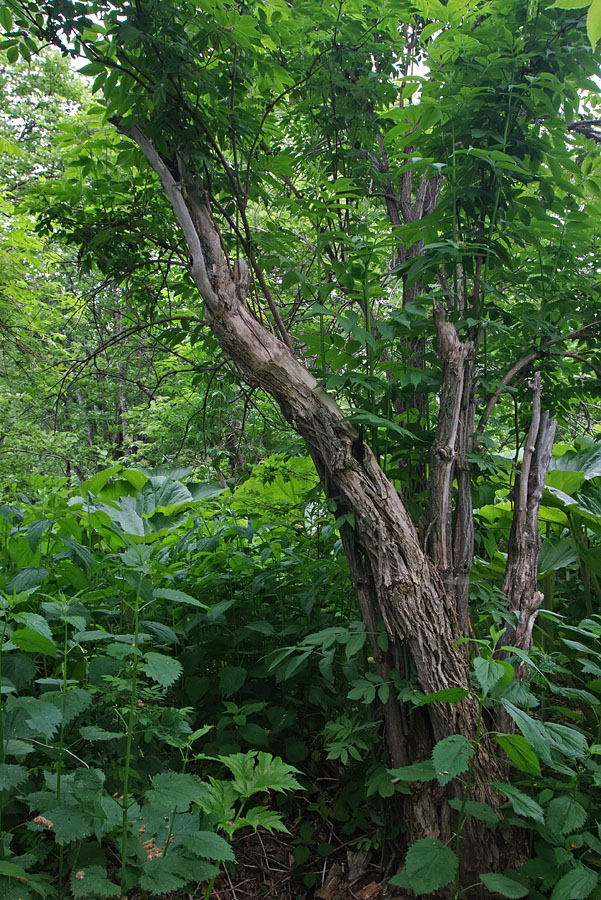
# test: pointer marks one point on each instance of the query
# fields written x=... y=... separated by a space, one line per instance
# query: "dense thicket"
x=362 y=233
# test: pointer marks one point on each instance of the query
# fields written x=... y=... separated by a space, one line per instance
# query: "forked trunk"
x=395 y=579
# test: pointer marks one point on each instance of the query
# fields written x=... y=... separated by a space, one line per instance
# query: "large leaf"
x=481 y=811
x=176 y=791
x=429 y=865
x=421 y=771
x=209 y=845
x=519 y=752
x=564 y=815
x=451 y=757
x=556 y=555
x=522 y=804
x=575 y=885
x=163 y=669
x=92 y=881
x=488 y=672
x=501 y=884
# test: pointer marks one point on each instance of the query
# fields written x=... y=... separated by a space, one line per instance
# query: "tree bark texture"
x=395 y=579
x=520 y=583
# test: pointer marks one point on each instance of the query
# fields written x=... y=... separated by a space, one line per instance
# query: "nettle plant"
x=102 y=787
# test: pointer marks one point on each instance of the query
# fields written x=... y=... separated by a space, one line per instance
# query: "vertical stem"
x=59 y=767
x=2 y=853
x=130 y=728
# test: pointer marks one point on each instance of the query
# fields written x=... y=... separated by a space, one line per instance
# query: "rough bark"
x=520 y=583
x=397 y=581
x=450 y=538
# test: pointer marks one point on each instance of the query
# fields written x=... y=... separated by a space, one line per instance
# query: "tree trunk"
x=396 y=581
x=520 y=584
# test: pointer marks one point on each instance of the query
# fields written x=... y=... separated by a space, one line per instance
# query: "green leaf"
x=568 y=740
x=261 y=817
x=521 y=803
x=448 y=695
x=231 y=679
x=71 y=702
x=6 y=19
x=42 y=717
x=575 y=885
x=488 y=672
x=33 y=642
x=354 y=644
x=429 y=865
x=556 y=555
x=12 y=871
x=178 y=597
x=501 y=884
x=93 y=733
x=481 y=811
x=176 y=790
x=209 y=845
x=92 y=881
x=163 y=669
x=532 y=730
x=254 y=772
x=27 y=578
x=564 y=815
x=569 y=4
x=451 y=757
x=11 y=776
x=519 y=752
x=163 y=875
x=69 y=824
x=421 y=771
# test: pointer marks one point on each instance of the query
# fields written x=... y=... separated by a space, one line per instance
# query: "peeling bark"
x=520 y=583
x=395 y=579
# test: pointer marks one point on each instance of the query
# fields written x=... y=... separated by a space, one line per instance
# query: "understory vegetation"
x=300 y=449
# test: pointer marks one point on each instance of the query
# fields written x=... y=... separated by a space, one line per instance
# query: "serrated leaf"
x=261 y=817
x=521 y=803
x=451 y=757
x=71 y=702
x=29 y=577
x=163 y=669
x=11 y=776
x=481 y=811
x=33 y=642
x=519 y=752
x=42 y=717
x=209 y=845
x=575 y=885
x=256 y=772
x=176 y=790
x=163 y=875
x=68 y=824
x=501 y=884
x=429 y=865
x=564 y=815
x=92 y=881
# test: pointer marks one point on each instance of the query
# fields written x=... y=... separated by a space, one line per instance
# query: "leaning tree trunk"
x=395 y=579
